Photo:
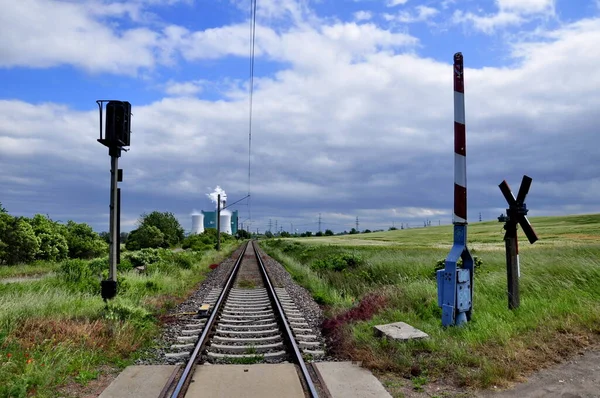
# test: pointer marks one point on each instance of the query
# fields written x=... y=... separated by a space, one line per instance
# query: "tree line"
x=24 y=240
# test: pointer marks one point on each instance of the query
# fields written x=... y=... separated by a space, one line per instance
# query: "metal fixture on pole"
x=455 y=282
x=116 y=136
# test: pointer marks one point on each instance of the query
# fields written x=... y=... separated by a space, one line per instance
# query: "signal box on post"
x=118 y=124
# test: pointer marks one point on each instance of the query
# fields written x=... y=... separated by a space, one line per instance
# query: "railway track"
x=249 y=321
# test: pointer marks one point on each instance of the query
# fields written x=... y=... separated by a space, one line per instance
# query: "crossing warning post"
x=516 y=214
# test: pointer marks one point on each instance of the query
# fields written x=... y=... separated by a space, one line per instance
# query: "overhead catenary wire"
x=251 y=89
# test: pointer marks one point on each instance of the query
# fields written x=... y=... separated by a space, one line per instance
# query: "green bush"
x=337 y=262
x=75 y=270
x=83 y=242
x=121 y=311
x=146 y=236
x=167 y=224
x=79 y=276
x=184 y=261
x=52 y=237
x=18 y=243
x=143 y=258
x=205 y=241
x=98 y=265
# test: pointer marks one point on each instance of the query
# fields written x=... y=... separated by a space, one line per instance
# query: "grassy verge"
x=27 y=270
x=560 y=298
x=58 y=331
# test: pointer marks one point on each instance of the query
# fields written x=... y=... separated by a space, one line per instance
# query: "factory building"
x=208 y=219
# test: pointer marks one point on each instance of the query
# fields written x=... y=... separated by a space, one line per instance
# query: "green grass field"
x=559 y=286
x=58 y=332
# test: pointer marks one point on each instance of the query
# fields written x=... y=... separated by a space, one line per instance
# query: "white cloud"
x=489 y=23
x=363 y=15
x=421 y=14
x=510 y=13
x=31 y=36
x=527 y=6
x=393 y=3
x=183 y=88
x=373 y=116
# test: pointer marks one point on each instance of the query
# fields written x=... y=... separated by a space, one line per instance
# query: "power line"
x=252 y=41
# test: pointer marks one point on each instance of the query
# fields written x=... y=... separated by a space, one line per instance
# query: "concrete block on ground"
x=347 y=380
x=399 y=331
x=139 y=381
x=248 y=381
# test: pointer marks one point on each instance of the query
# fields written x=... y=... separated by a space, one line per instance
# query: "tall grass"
x=559 y=286
x=58 y=330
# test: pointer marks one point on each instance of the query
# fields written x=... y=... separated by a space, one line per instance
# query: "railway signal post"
x=116 y=137
x=515 y=214
x=455 y=282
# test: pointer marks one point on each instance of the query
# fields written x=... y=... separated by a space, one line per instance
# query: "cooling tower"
x=197 y=223
x=226 y=223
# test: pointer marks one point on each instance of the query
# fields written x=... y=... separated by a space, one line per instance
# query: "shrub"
x=52 y=237
x=205 y=241
x=184 y=261
x=79 y=276
x=18 y=243
x=146 y=236
x=83 y=242
x=143 y=258
x=337 y=262
x=167 y=224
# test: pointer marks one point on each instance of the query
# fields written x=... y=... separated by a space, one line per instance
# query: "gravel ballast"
x=177 y=321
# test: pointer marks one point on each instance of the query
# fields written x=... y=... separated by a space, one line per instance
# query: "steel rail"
x=288 y=331
x=183 y=381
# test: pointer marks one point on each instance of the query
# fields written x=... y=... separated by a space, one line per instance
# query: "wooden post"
x=512 y=271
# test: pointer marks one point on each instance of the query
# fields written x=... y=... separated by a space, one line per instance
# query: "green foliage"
x=2 y=209
x=205 y=241
x=353 y=231
x=328 y=232
x=184 y=261
x=53 y=243
x=70 y=333
x=79 y=276
x=83 y=242
x=18 y=243
x=337 y=262
x=146 y=236
x=268 y=234
x=243 y=234
x=117 y=310
x=105 y=236
x=167 y=224
x=143 y=258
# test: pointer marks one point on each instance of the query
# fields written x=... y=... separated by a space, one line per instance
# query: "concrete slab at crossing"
x=248 y=381
x=139 y=381
x=347 y=380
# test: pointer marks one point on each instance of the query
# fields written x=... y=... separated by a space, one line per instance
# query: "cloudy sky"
x=352 y=110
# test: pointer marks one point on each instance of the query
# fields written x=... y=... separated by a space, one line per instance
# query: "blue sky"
x=352 y=108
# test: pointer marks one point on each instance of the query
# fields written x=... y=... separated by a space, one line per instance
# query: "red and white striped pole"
x=460 y=144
